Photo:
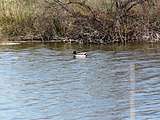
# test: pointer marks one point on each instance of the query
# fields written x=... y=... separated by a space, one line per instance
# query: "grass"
x=90 y=20
x=16 y=18
x=30 y=18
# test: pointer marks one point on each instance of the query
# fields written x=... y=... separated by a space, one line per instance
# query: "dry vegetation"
x=96 y=21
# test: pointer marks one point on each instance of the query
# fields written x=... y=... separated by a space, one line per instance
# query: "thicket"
x=98 y=21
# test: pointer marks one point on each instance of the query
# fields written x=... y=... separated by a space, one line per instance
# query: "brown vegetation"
x=88 y=21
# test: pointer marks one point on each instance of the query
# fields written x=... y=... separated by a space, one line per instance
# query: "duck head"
x=74 y=52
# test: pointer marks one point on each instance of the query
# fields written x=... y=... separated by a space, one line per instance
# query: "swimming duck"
x=79 y=55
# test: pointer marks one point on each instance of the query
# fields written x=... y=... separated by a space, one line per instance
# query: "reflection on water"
x=44 y=82
x=132 y=92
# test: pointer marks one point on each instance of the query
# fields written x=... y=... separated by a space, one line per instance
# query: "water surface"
x=44 y=82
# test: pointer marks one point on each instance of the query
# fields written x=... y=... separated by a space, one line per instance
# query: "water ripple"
x=40 y=83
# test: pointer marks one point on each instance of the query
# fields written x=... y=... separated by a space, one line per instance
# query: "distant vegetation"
x=96 y=21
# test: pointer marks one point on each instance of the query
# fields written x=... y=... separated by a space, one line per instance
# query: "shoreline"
x=80 y=22
x=72 y=41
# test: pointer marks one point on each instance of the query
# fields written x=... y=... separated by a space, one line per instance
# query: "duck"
x=80 y=54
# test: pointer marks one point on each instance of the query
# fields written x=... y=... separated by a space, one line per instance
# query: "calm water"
x=44 y=82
